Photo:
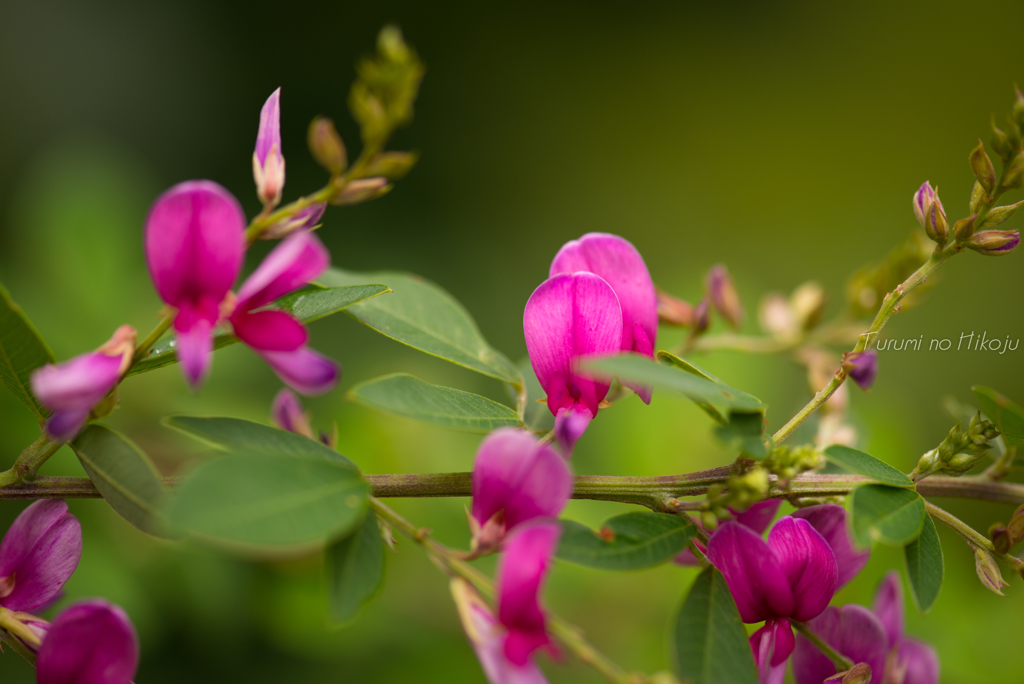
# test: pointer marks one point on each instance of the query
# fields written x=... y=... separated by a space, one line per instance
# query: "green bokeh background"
x=783 y=139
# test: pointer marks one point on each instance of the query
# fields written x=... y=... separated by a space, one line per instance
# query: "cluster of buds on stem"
x=959 y=451
x=739 y=493
x=788 y=462
x=1005 y=537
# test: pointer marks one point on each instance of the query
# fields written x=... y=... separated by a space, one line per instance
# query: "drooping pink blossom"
x=619 y=264
x=524 y=565
x=569 y=316
x=38 y=555
x=757 y=517
x=71 y=389
x=92 y=642
x=516 y=479
x=830 y=522
x=194 y=249
x=267 y=158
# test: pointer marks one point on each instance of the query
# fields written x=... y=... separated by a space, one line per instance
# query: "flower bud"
x=858 y=674
x=287 y=413
x=988 y=571
x=305 y=218
x=723 y=295
x=267 y=159
x=326 y=145
x=1000 y=537
x=674 y=311
x=862 y=367
x=1001 y=143
x=702 y=316
x=808 y=304
x=930 y=213
x=1018 y=108
x=994 y=242
x=978 y=198
x=392 y=165
x=998 y=215
x=1016 y=527
x=361 y=190
x=982 y=167
x=964 y=228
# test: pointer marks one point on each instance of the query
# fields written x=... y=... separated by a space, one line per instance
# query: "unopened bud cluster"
x=959 y=451
x=739 y=493
x=788 y=462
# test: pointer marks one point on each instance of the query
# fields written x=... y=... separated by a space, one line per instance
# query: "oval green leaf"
x=632 y=541
x=124 y=476
x=679 y=362
x=22 y=350
x=860 y=463
x=889 y=515
x=1007 y=416
x=408 y=396
x=925 y=566
x=709 y=645
x=308 y=305
x=425 y=317
x=355 y=570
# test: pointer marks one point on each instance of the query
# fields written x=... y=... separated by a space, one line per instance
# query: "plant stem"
x=29 y=461
x=838 y=659
x=970 y=535
x=1001 y=468
x=18 y=647
x=570 y=636
x=143 y=347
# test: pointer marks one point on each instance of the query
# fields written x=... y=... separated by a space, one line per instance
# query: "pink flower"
x=619 y=264
x=516 y=479
x=287 y=413
x=830 y=522
x=758 y=517
x=267 y=160
x=792 y=576
x=92 y=642
x=194 y=248
x=569 y=316
x=71 y=389
x=38 y=555
x=488 y=638
x=862 y=367
x=524 y=564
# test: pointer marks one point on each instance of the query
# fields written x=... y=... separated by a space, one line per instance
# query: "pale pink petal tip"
x=304 y=370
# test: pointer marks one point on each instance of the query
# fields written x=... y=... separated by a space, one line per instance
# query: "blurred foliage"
x=784 y=140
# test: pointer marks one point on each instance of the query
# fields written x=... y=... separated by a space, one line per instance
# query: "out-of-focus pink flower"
x=757 y=517
x=38 y=555
x=275 y=335
x=71 y=389
x=723 y=295
x=524 y=564
x=267 y=159
x=862 y=367
x=92 y=642
x=569 y=316
x=288 y=414
x=516 y=479
x=488 y=639
x=194 y=248
x=620 y=265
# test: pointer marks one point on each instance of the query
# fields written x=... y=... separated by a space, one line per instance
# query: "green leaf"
x=710 y=645
x=1007 y=416
x=22 y=350
x=307 y=305
x=860 y=463
x=423 y=316
x=538 y=417
x=679 y=362
x=124 y=476
x=636 y=541
x=925 y=566
x=410 y=397
x=746 y=431
x=641 y=369
x=888 y=515
x=355 y=570
x=235 y=434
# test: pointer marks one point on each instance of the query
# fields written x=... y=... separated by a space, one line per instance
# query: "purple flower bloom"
x=488 y=639
x=862 y=367
x=569 y=316
x=875 y=638
x=267 y=160
x=92 y=642
x=276 y=335
x=194 y=248
x=830 y=522
x=71 y=389
x=757 y=517
x=38 y=555
x=523 y=566
x=619 y=264
x=305 y=218
x=515 y=479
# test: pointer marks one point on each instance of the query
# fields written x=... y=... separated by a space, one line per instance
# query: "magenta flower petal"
x=269 y=330
x=752 y=571
x=292 y=264
x=92 y=642
x=194 y=346
x=852 y=630
x=304 y=370
x=269 y=135
x=889 y=606
x=287 y=413
x=920 y=662
x=808 y=565
x=523 y=566
x=570 y=424
x=64 y=426
x=569 y=316
x=38 y=555
x=72 y=388
x=862 y=367
x=194 y=242
x=772 y=645
x=760 y=515
x=830 y=522
x=517 y=474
